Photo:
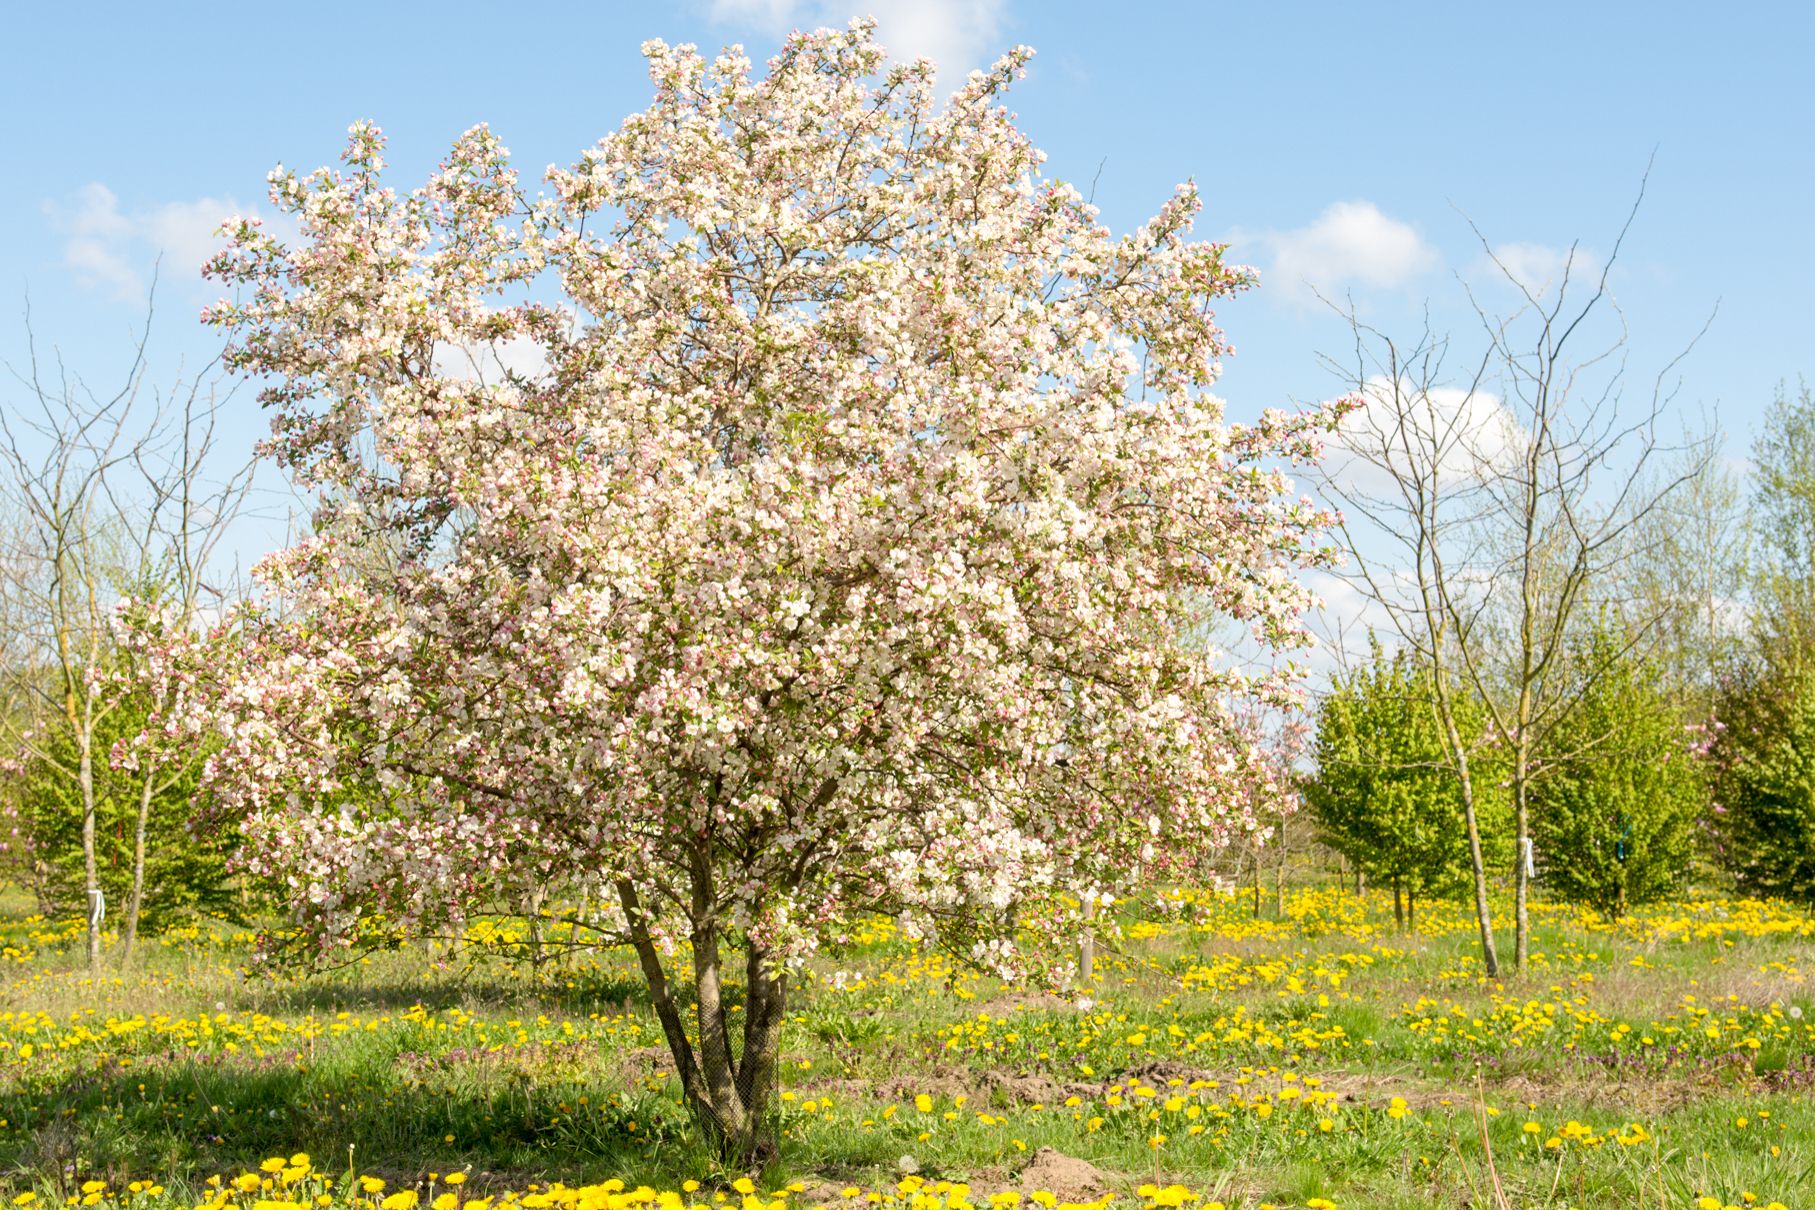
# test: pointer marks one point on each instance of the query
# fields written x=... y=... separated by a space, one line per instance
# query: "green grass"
x=188 y=1065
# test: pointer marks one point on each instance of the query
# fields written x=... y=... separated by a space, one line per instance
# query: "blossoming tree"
x=804 y=509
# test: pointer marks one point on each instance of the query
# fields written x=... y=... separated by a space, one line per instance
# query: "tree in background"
x=833 y=544
x=1384 y=793
x=147 y=859
x=1687 y=579
x=1764 y=829
x=1615 y=809
x=114 y=496
x=1484 y=510
x=1761 y=829
x=1783 y=501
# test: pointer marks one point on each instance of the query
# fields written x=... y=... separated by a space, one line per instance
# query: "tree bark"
x=716 y=1061
x=1279 y=875
x=1465 y=785
x=693 y=1087
x=1087 y=946
x=135 y=901
x=538 y=953
x=85 y=776
x=1490 y=958
x=731 y=1096
x=1521 y=881
x=761 y=1058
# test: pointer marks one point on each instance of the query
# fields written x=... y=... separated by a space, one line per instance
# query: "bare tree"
x=109 y=502
x=1486 y=510
x=181 y=518
x=1408 y=490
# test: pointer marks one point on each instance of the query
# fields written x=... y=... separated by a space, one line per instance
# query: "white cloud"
x=113 y=250
x=1473 y=437
x=490 y=361
x=1538 y=268
x=1343 y=622
x=764 y=14
x=957 y=35
x=1350 y=243
x=94 y=229
x=1471 y=434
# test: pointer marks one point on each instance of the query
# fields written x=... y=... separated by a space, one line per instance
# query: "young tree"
x=114 y=496
x=1484 y=511
x=147 y=860
x=825 y=535
x=1413 y=448
x=1615 y=811
x=1385 y=793
x=62 y=582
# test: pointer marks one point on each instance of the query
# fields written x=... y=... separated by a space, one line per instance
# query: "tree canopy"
x=804 y=508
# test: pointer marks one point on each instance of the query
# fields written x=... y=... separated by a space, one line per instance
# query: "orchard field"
x=1320 y=1057
x=776 y=630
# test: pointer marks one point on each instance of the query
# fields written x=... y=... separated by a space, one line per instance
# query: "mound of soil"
x=1068 y=1178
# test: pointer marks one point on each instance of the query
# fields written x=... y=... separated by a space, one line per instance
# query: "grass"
x=1321 y=1055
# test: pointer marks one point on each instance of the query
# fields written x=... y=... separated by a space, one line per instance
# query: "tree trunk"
x=1411 y=910
x=1279 y=875
x=135 y=901
x=732 y=1097
x=711 y=1028
x=761 y=1058
x=1398 y=906
x=661 y=998
x=1490 y=958
x=1521 y=880
x=1361 y=880
x=537 y=951
x=1087 y=946
x=85 y=775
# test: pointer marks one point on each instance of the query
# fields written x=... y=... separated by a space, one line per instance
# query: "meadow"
x=1313 y=1057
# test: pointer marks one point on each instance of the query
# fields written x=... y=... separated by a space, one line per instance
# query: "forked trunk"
x=731 y=1096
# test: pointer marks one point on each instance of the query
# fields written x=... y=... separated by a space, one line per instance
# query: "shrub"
x=1385 y=794
x=1762 y=826
x=1614 y=807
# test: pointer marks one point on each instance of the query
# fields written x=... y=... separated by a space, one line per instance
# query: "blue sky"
x=1340 y=145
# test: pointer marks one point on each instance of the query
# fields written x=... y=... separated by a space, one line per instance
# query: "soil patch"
x=1068 y=1178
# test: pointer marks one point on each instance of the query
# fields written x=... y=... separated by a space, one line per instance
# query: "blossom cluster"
x=803 y=506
